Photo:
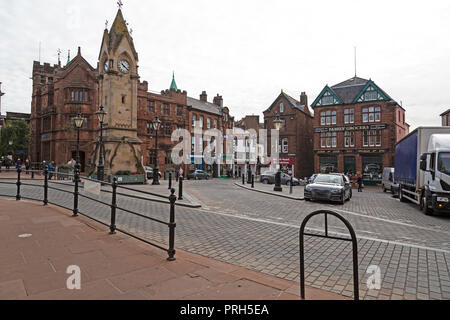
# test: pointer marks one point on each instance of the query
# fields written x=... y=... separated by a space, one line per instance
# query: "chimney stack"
x=203 y=97
x=304 y=99
x=218 y=100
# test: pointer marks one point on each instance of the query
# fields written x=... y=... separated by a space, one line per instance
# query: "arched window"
x=281 y=107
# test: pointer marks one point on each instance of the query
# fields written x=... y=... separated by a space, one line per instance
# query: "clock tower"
x=118 y=81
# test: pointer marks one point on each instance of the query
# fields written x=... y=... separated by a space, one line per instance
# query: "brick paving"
x=258 y=232
x=114 y=266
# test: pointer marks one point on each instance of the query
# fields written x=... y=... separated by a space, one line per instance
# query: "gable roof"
x=204 y=106
x=293 y=102
x=351 y=90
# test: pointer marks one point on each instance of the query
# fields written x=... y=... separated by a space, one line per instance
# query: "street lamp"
x=277 y=124
x=100 y=168
x=78 y=124
x=156 y=126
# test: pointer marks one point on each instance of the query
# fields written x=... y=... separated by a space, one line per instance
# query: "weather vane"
x=119 y=4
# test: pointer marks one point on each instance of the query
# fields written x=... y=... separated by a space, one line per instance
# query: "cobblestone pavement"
x=260 y=232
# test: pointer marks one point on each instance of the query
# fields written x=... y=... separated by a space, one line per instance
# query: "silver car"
x=331 y=187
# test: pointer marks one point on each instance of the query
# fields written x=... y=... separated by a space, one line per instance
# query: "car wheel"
x=265 y=181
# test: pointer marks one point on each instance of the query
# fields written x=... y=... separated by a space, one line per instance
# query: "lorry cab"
x=435 y=164
x=387 y=182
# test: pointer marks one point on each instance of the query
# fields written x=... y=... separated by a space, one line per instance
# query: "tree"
x=18 y=132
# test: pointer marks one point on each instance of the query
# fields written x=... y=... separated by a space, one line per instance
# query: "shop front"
x=328 y=163
x=372 y=168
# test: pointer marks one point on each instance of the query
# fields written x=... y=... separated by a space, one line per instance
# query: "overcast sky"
x=245 y=50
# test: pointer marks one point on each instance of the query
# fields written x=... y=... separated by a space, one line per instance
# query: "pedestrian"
x=27 y=166
x=50 y=170
x=359 y=181
x=181 y=172
x=18 y=163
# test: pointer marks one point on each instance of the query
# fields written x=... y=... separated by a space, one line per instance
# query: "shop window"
x=349 y=138
x=372 y=114
x=328 y=164
x=349 y=115
x=372 y=167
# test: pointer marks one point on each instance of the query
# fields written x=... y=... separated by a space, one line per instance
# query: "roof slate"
x=204 y=106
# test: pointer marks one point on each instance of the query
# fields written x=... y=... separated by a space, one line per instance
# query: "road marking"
x=321 y=230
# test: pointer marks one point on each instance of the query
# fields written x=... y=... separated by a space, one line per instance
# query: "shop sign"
x=284 y=161
x=371 y=151
x=352 y=128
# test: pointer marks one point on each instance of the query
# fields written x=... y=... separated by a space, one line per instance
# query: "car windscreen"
x=328 y=179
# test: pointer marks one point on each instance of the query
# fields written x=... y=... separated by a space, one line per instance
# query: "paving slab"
x=114 y=266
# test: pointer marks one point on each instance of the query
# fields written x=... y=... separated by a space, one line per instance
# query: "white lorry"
x=422 y=168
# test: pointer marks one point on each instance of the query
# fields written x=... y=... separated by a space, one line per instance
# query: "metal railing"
x=352 y=239
x=72 y=187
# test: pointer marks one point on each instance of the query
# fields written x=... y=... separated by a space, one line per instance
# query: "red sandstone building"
x=296 y=139
x=61 y=92
x=356 y=126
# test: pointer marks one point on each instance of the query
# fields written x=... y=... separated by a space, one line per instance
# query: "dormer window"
x=327 y=100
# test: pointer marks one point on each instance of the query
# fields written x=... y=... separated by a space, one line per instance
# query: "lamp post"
x=78 y=124
x=100 y=168
x=277 y=124
x=156 y=126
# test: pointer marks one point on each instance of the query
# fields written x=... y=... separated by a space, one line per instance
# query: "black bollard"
x=112 y=227
x=45 y=185
x=292 y=183
x=253 y=181
x=172 y=225
x=180 y=188
x=243 y=178
x=170 y=181
x=18 y=184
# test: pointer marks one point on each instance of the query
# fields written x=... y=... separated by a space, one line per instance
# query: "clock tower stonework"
x=118 y=82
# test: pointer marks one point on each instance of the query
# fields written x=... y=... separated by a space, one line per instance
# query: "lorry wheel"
x=424 y=206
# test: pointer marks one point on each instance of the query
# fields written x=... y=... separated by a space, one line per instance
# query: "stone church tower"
x=118 y=84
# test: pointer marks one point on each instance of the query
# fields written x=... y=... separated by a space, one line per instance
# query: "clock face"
x=106 y=66
x=124 y=66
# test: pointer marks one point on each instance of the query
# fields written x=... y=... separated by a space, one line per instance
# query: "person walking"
x=50 y=170
x=359 y=181
x=18 y=163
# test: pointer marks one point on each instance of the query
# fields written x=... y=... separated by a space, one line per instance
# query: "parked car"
x=311 y=179
x=331 y=187
x=388 y=182
x=269 y=178
x=149 y=172
x=198 y=174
